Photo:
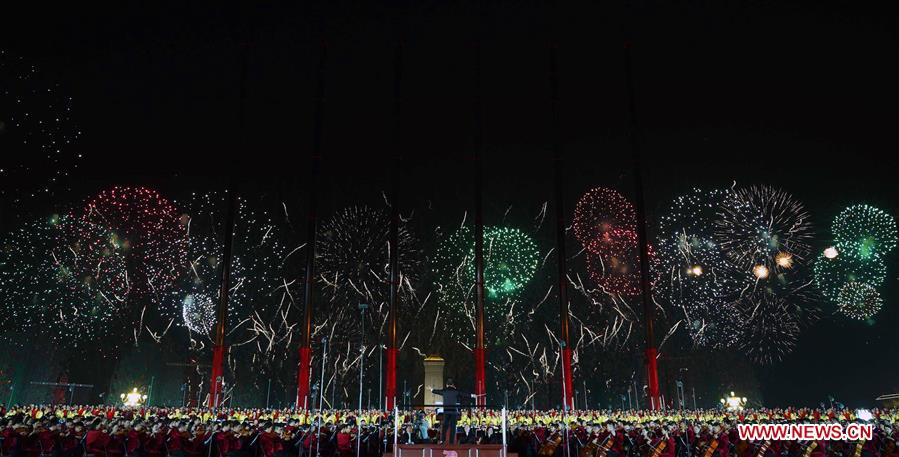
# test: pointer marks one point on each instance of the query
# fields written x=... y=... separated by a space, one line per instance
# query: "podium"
x=453 y=450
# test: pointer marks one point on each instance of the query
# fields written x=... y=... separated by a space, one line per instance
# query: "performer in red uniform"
x=96 y=441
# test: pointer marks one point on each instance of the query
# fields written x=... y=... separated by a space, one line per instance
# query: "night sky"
x=801 y=95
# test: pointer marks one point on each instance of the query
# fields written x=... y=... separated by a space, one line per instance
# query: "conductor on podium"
x=452 y=400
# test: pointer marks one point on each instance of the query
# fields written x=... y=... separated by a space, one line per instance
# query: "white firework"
x=198 y=313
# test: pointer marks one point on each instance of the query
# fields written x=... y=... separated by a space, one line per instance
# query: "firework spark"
x=37 y=131
x=261 y=306
x=71 y=291
x=865 y=232
x=759 y=223
x=511 y=259
x=697 y=277
x=770 y=328
x=146 y=226
x=859 y=300
x=849 y=273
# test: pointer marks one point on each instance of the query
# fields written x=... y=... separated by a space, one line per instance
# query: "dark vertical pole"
x=219 y=349
x=568 y=386
x=304 y=372
x=652 y=373
x=479 y=349
x=394 y=232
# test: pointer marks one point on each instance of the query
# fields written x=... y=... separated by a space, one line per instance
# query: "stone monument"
x=434 y=378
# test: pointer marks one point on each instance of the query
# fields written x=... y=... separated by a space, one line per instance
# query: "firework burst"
x=697 y=276
x=353 y=262
x=832 y=274
x=734 y=262
x=511 y=259
x=605 y=223
x=598 y=213
x=354 y=247
x=766 y=232
x=859 y=300
x=849 y=273
x=198 y=313
x=764 y=226
x=262 y=312
x=865 y=232
x=616 y=268
x=148 y=228
x=770 y=328
x=70 y=291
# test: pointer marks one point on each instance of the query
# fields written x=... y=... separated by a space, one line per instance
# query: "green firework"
x=511 y=259
x=865 y=232
x=859 y=300
x=832 y=274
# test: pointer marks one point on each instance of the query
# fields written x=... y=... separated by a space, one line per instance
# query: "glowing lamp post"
x=133 y=398
x=733 y=402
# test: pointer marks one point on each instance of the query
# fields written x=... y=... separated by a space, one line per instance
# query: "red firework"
x=616 y=269
x=148 y=229
x=605 y=223
x=599 y=212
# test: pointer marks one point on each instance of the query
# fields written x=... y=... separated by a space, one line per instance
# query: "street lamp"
x=680 y=388
x=733 y=402
x=133 y=398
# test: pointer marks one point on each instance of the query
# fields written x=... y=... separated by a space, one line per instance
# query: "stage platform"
x=455 y=450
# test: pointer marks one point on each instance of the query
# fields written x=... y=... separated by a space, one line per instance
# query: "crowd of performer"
x=104 y=431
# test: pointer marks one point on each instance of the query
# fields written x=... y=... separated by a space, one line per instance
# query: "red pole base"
x=303 y=375
x=568 y=399
x=215 y=385
x=480 y=378
x=391 y=378
x=652 y=378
